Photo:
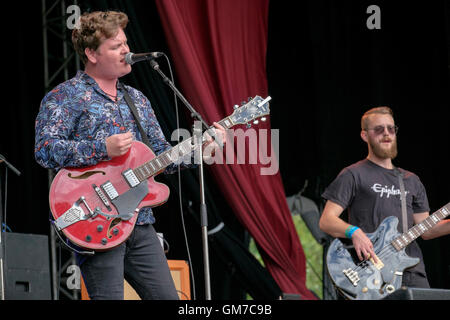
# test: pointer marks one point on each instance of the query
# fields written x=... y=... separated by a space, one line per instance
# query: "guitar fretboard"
x=173 y=155
x=420 y=228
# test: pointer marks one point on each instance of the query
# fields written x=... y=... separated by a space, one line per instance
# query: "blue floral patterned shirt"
x=76 y=117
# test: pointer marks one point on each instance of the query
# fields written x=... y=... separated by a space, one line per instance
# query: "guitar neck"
x=420 y=228
x=253 y=109
x=173 y=155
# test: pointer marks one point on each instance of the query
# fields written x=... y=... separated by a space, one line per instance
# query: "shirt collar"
x=83 y=76
x=88 y=80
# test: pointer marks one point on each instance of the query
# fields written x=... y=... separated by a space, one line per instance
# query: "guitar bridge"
x=102 y=197
x=352 y=276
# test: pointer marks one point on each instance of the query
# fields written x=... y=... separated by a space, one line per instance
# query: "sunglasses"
x=380 y=129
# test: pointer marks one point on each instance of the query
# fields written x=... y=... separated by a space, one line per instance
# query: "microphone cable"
x=5 y=209
x=179 y=182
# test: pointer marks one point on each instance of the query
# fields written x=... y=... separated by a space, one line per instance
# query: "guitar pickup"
x=131 y=178
x=377 y=265
x=110 y=191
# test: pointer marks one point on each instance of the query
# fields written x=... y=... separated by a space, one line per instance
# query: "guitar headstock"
x=251 y=111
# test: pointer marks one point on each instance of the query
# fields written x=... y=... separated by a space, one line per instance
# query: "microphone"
x=132 y=58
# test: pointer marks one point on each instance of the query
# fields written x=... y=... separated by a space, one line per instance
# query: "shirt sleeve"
x=55 y=146
x=420 y=200
x=342 y=189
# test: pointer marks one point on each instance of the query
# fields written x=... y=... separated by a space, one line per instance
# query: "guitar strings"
x=121 y=183
x=93 y=200
x=391 y=248
x=382 y=254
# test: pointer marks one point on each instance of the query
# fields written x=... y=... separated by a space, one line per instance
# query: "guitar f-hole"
x=85 y=175
x=112 y=230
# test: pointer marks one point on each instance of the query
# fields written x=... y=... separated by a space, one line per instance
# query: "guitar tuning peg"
x=256 y=122
x=235 y=106
x=263 y=119
x=243 y=102
x=249 y=125
x=249 y=99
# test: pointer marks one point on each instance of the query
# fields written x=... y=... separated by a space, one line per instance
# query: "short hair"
x=376 y=110
x=96 y=27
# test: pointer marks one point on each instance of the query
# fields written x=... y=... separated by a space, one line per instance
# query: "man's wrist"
x=350 y=230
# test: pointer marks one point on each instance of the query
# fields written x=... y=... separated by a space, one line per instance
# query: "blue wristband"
x=349 y=234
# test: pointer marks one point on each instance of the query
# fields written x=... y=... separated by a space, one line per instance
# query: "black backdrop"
x=324 y=69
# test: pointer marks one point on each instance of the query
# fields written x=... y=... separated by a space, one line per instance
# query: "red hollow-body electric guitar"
x=96 y=207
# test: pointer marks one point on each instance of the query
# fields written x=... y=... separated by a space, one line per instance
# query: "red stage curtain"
x=219 y=52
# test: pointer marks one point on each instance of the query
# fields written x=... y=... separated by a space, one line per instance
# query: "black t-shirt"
x=371 y=193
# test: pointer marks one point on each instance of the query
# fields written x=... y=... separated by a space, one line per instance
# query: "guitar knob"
x=104 y=241
x=115 y=231
x=99 y=228
x=390 y=288
x=88 y=238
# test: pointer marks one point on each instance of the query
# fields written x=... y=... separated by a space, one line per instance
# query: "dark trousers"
x=415 y=280
x=140 y=260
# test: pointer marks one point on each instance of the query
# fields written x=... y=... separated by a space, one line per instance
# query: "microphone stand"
x=2 y=246
x=198 y=142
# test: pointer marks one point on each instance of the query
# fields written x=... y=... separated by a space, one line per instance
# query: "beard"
x=384 y=153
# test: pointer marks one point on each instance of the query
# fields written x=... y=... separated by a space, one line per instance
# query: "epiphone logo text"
x=386 y=191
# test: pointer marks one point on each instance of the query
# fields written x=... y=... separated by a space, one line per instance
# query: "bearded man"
x=370 y=192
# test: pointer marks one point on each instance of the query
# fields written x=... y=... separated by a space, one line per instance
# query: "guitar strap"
x=403 y=200
x=135 y=114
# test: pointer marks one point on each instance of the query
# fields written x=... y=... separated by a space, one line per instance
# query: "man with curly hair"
x=86 y=120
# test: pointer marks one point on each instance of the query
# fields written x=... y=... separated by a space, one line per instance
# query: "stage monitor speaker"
x=405 y=293
x=26 y=267
x=290 y=296
x=179 y=269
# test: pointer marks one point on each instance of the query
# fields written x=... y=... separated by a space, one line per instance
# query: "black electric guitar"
x=367 y=280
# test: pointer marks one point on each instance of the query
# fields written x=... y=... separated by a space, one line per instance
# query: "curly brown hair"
x=94 y=28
